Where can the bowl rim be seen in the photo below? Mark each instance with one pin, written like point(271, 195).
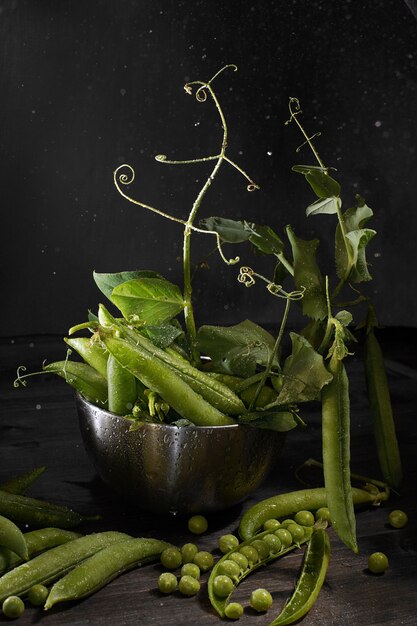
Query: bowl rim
point(170, 427)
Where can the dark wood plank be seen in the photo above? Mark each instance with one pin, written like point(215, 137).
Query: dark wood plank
point(38, 426)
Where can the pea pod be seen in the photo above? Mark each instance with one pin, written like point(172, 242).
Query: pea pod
point(39, 513)
point(313, 574)
point(11, 537)
point(98, 570)
point(220, 603)
point(336, 454)
point(218, 394)
point(157, 376)
point(91, 351)
point(285, 504)
point(19, 484)
point(83, 378)
point(36, 541)
point(383, 419)
point(122, 390)
point(54, 563)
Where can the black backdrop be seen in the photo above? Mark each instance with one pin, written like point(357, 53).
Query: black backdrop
point(89, 85)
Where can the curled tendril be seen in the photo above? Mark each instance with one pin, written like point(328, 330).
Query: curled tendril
point(246, 276)
point(279, 292)
point(161, 158)
point(226, 260)
point(293, 112)
point(201, 93)
point(19, 378)
point(125, 179)
point(252, 187)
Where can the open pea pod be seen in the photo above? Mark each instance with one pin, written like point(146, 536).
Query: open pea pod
point(218, 602)
point(313, 574)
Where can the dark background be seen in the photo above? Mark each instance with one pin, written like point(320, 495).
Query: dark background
point(88, 85)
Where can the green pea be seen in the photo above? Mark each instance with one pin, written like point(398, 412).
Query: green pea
point(188, 552)
point(304, 518)
point(197, 524)
point(13, 607)
point(229, 568)
point(167, 582)
point(323, 514)
point(191, 569)
point(171, 558)
point(397, 518)
point(240, 559)
point(37, 595)
point(287, 522)
point(223, 586)
point(271, 524)
point(234, 610)
point(297, 532)
point(227, 543)
point(204, 560)
point(377, 563)
point(261, 547)
point(188, 586)
point(273, 542)
point(260, 600)
point(250, 553)
point(284, 536)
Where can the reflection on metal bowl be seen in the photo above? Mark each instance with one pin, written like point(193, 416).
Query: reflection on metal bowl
point(166, 469)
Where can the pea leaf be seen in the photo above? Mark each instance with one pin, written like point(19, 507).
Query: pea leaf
point(323, 206)
point(162, 336)
point(230, 231)
point(358, 238)
point(236, 349)
point(149, 301)
point(107, 282)
point(304, 373)
point(323, 185)
point(307, 274)
point(281, 421)
point(264, 238)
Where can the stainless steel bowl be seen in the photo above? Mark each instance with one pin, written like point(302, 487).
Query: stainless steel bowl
point(166, 469)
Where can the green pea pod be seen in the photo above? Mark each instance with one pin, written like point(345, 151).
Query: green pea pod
point(220, 603)
point(286, 504)
point(37, 541)
point(157, 376)
point(39, 513)
point(383, 419)
point(122, 389)
point(313, 574)
point(98, 570)
point(19, 484)
point(91, 351)
point(11, 537)
point(336, 454)
point(83, 378)
point(214, 391)
point(54, 563)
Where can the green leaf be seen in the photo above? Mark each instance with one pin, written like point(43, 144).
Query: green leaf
point(264, 238)
point(304, 373)
point(107, 282)
point(323, 185)
point(236, 349)
point(326, 206)
point(230, 231)
point(358, 238)
point(344, 317)
point(162, 336)
point(280, 421)
point(150, 301)
point(307, 274)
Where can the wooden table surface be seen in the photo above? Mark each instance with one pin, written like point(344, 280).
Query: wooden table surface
point(39, 426)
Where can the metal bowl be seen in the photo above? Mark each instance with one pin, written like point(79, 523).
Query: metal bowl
point(166, 469)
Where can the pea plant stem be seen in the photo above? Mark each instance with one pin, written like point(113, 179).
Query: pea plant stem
point(188, 306)
point(272, 355)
